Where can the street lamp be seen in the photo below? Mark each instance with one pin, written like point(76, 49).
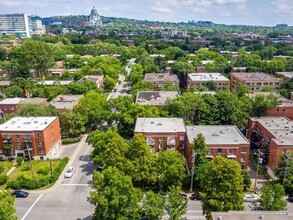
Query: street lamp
point(192, 171)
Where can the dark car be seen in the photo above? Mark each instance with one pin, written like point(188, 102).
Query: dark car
point(290, 198)
point(20, 193)
point(195, 196)
point(100, 167)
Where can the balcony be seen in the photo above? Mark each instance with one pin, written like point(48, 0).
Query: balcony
point(7, 140)
point(27, 139)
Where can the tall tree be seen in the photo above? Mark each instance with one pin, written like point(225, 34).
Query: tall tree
point(153, 205)
point(115, 197)
point(271, 198)
point(222, 187)
point(262, 103)
point(7, 209)
point(176, 205)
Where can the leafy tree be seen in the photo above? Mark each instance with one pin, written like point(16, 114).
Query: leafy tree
point(176, 205)
point(7, 209)
point(262, 103)
point(143, 163)
point(181, 69)
point(153, 205)
point(246, 180)
point(200, 161)
point(33, 110)
point(286, 163)
point(241, 89)
point(171, 168)
point(72, 123)
point(222, 187)
point(271, 198)
point(115, 197)
point(13, 91)
point(173, 53)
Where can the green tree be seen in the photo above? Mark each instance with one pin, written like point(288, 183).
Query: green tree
point(271, 198)
point(7, 209)
point(115, 197)
point(286, 163)
point(241, 89)
point(246, 180)
point(33, 110)
point(171, 169)
point(176, 205)
point(261, 103)
point(72, 123)
point(222, 187)
point(153, 205)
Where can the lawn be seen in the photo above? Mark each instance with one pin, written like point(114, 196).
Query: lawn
point(7, 165)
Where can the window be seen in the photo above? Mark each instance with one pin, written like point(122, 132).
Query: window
point(39, 136)
point(41, 151)
point(160, 138)
point(17, 136)
point(11, 108)
point(219, 150)
point(248, 84)
point(259, 83)
point(160, 146)
point(18, 145)
point(150, 141)
point(265, 83)
point(243, 150)
point(230, 151)
point(242, 159)
point(210, 151)
point(277, 83)
point(271, 83)
point(7, 136)
point(27, 136)
point(182, 138)
point(40, 144)
point(171, 140)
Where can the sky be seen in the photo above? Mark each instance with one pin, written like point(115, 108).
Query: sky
point(247, 12)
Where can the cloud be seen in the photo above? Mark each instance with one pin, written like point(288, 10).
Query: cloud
point(225, 13)
point(283, 6)
point(223, 2)
point(165, 6)
point(15, 3)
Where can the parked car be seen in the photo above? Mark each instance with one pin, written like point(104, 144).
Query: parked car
point(69, 172)
point(249, 198)
point(20, 193)
point(100, 167)
point(290, 198)
point(195, 196)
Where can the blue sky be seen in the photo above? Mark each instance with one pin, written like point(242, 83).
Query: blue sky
point(252, 12)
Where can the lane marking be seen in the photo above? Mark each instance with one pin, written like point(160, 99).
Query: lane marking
point(28, 211)
point(75, 184)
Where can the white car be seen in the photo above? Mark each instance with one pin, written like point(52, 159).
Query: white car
point(249, 198)
point(69, 172)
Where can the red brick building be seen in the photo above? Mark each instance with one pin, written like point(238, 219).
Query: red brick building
point(160, 80)
point(39, 137)
point(221, 140)
point(272, 135)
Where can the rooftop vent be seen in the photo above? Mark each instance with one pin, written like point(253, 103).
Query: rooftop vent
point(261, 217)
point(159, 124)
point(152, 122)
point(215, 134)
point(219, 218)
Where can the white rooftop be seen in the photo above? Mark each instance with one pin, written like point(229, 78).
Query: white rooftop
point(11, 101)
point(280, 127)
point(207, 77)
point(27, 124)
point(55, 83)
point(157, 125)
point(217, 134)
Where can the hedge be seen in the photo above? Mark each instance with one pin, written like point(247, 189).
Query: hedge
point(70, 140)
point(3, 179)
point(1, 168)
point(26, 182)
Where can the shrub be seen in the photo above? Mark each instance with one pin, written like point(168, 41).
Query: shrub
point(3, 179)
point(43, 170)
point(19, 161)
point(70, 140)
point(1, 168)
point(25, 166)
point(58, 170)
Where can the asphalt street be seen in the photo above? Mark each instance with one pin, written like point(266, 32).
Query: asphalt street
point(67, 199)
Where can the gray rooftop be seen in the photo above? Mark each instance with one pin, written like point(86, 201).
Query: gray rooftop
point(257, 76)
point(217, 134)
point(207, 77)
point(35, 100)
point(255, 215)
point(286, 74)
point(65, 101)
point(280, 127)
point(11, 101)
point(27, 124)
point(166, 77)
point(155, 97)
point(55, 83)
point(159, 125)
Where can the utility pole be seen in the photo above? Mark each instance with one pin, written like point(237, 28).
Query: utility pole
point(257, 167)
point(192, 171)
point(286, 167)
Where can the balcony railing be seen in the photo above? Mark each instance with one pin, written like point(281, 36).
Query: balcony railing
point(7, 141)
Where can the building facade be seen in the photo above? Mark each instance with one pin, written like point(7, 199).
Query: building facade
point(254, 81)
point(16, 24)
point(221, 140)
point(195, 80)
point(36, 137)
point(161, 80)
point(272, 136)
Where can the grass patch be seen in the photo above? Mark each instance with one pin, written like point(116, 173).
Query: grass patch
point(7, 166)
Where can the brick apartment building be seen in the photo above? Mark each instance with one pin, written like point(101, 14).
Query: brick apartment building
point(254, 81)
point(160, 80)
point(195, 80)
point(221, 140)
point(10, 105)
point(38, 137)
point(273, 136)
point(172, 134)
point(155, 98)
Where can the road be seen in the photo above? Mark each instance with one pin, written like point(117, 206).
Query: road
point(67, 199)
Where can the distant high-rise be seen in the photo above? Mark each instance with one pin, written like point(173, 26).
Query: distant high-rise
point(37, 25)
point(16, 24)
point(94, 18)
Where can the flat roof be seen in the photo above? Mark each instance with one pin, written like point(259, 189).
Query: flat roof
point(27, 124)
point(54, 83)
point(280, 127)
point(217, 134)
point(65, 101)
point(11, 101)
point(155, 97)
point(159, 125)
point(167, 77)
point(286, 74)
point(33, 100)
point(257, 76)
point(256, 215)
point(207, 77)
point(205, 92)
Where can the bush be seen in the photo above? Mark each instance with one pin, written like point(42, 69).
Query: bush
point(70, 140)
point(25, 166)
point(1, 168)
point(43, 170)
point(3, 179)
point(58, 170)
point(19, 161)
